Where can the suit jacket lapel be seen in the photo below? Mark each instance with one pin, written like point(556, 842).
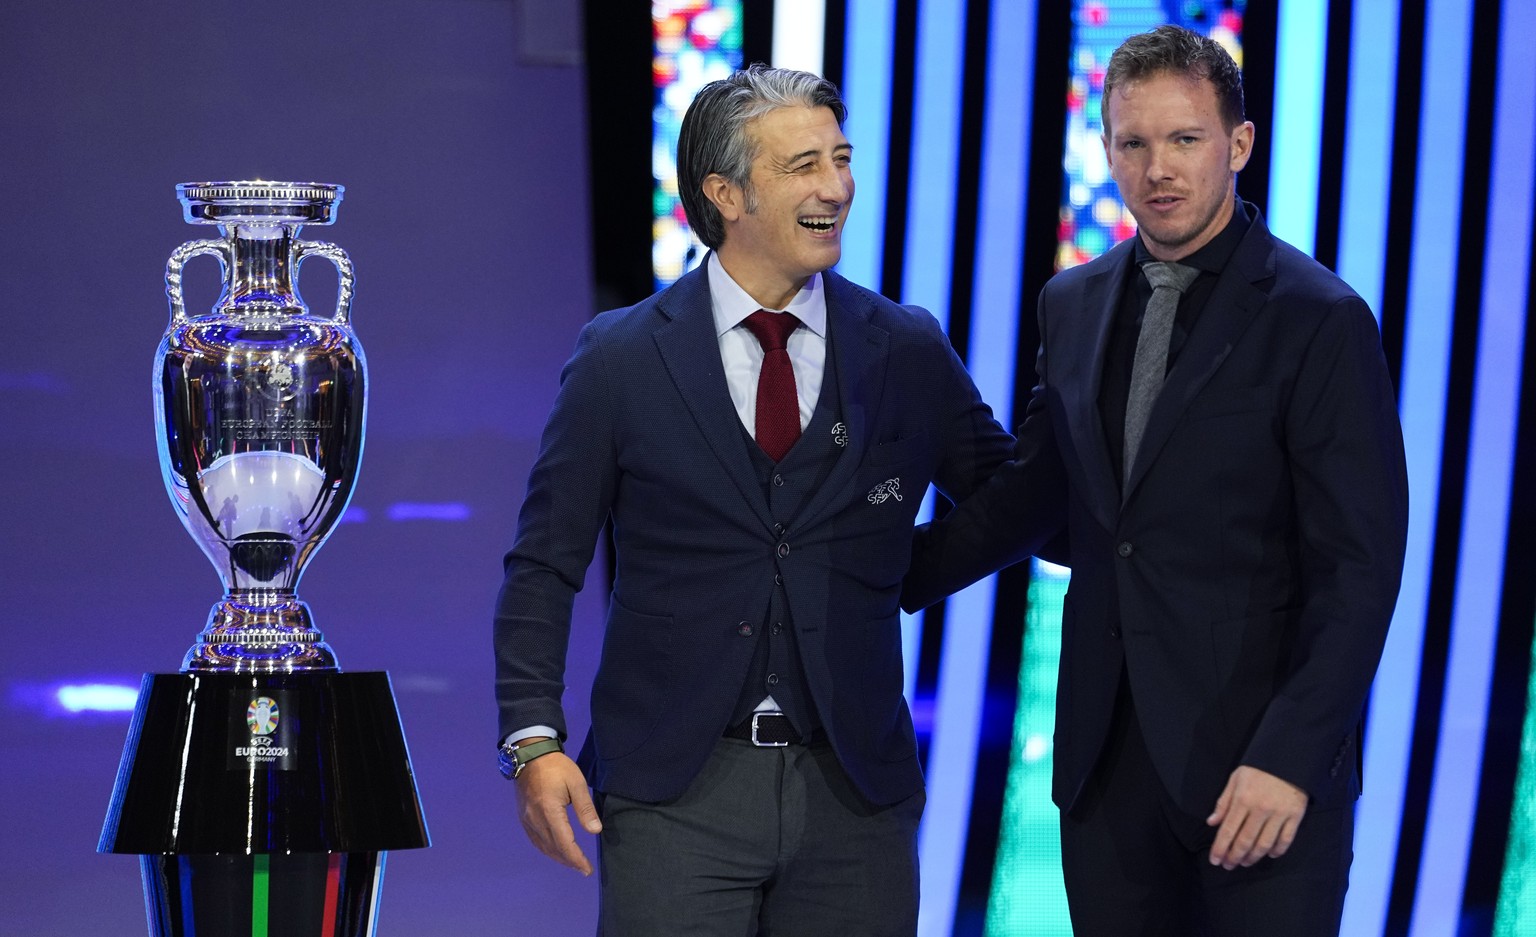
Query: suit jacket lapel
point(691, 351)
point(863, 350)
point(1080, 392)
point(1233, 303)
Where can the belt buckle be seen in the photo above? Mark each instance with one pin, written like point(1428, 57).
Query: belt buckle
point(754, 732)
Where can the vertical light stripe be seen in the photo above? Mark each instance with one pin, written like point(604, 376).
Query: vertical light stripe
point(995, 302)
point(333, 872)
point(1495, 403)
point(184, 879)
point(962, 683)
point(1368, 149)
point(371, 925)
point(1427, 332)
point(1296, 143)
point(799, 34)
point(1028, 895)
point(926, 280)
point(1515, 913)
point(260, 884)
point(935, 156)
point(1362, 264)
point(867, 53)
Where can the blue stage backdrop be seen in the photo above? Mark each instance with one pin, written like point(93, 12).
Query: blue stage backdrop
point(459, 130)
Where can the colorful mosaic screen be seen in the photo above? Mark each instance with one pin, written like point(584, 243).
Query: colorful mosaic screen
point(695, 42)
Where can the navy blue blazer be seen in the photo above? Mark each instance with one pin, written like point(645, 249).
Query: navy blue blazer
point(1245, 577)
point(643, 432)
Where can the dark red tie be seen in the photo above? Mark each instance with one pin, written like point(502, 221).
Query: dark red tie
point(778, 407)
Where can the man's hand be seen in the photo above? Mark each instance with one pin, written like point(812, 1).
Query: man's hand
point(545, 787)
point(1258, 814)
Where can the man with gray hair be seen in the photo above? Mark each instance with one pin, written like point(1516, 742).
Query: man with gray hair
point(760, 435)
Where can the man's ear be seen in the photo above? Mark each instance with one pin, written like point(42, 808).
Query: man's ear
point(726, 197)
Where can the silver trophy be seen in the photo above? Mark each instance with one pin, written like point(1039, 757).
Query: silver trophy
point(259, 409)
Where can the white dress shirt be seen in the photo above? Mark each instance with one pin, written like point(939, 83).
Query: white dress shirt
point(742, 356)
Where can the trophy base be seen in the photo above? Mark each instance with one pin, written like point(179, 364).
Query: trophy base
point(326, 894)
point(246, 636)
point(264, 763)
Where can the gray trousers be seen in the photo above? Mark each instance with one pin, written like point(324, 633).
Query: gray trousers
point(766, 841)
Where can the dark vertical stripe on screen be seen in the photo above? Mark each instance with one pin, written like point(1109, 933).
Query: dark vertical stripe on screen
point(899, 165)
point(1053, 51)
point(1330, 164)
point(1516, 644)
point(834, 35)
point(757, 32)
point(1400, 233)
point(1405, 135)
point(973, 103)
point(1260, 47)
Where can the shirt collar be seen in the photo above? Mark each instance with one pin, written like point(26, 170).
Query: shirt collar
point(1213, 257)
point(731, 304)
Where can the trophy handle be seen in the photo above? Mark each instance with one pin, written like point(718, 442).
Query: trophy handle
point(337, 256)
point(178, 259)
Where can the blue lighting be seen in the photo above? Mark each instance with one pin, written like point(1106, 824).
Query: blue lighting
point(866, 87)
point(97, 697)
point(1475, 616)
point(1295, 144)
point(1362, 264)
point(426, 511)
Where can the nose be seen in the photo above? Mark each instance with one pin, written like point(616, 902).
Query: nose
point(836, 185)
point(1158, 166)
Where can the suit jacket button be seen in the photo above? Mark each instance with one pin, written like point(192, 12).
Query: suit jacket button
point(778, 480)
point(1125, 548)
point(778, 579)
point(778, 529)
point(1114, 632)
point(744, 629)
point(783, 550)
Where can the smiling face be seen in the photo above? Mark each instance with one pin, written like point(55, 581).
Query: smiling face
point(788, 224)
point(1174, 160)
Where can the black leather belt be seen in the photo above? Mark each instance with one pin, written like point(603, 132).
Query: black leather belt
point(765, 730)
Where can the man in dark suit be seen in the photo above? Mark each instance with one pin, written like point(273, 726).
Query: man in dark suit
point(1226, 462)
point(753, 759)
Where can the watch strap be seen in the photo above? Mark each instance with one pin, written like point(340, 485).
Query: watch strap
point(515, 757)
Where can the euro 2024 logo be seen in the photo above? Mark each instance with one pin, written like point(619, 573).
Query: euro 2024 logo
point(262, 715)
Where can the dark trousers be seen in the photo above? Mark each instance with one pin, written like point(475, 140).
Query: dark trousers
point(1137, 866)
point(765, 841)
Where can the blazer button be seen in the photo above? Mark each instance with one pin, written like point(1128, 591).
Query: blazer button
point(778, 627)
point(778, 480)
point(744, 629)
point(778, 579)
point(783, 550)
point(778, 529)
point(773, 679)
point(1125, 548)
point(1114, 632)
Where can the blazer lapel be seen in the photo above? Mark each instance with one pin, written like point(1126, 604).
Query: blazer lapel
point(1233, 303)
point(1080, 392)
point(863, 350)
point(690, 350)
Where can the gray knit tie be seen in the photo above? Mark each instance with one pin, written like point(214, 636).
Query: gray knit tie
point(1169, 281)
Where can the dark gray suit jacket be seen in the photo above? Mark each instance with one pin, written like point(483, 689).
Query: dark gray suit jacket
point(644, 432)
point(1246, 576)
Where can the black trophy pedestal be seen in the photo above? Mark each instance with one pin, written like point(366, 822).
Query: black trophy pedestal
point(264, 803)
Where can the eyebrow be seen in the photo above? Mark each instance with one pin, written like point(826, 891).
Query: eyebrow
point(808, 153)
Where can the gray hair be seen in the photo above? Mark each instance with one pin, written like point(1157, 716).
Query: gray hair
point(1178, 51)
point(714, 137)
